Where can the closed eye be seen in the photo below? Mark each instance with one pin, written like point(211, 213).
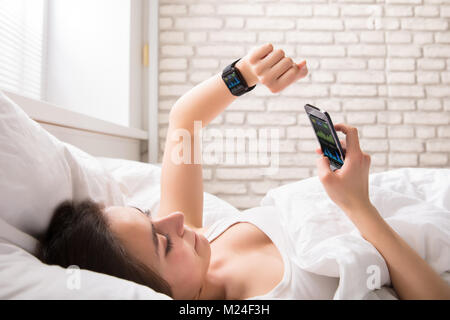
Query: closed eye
point(169, 244)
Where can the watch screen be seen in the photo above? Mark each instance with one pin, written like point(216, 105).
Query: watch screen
point(326, 140)
point(232, 80)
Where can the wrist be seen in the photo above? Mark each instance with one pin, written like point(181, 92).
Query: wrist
point(359, 212)
point(369, 222)
point(244, 67)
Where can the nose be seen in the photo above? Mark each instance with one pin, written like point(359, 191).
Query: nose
point(172, 223)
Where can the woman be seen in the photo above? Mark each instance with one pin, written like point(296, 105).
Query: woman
point(238, 257)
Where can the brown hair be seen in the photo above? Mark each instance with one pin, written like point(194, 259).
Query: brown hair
point(79, 235)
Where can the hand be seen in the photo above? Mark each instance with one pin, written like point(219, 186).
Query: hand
point(271, 68)
point(348, 186)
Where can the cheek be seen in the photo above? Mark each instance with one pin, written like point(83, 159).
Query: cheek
point(185, 266)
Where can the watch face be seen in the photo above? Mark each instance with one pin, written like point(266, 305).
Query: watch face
point(234, 83)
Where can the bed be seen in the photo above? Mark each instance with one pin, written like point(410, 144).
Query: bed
point(39, 168)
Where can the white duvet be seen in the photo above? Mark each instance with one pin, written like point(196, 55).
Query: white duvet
point(415, 203)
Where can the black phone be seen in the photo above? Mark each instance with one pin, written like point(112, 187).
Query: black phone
point(326, 135)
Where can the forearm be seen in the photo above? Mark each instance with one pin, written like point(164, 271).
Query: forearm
point(206, 101)
point(411, 276)
point(202, 103)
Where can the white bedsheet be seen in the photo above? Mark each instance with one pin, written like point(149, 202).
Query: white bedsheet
point(415, 203)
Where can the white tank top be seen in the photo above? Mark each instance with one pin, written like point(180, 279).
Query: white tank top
point(296, 282)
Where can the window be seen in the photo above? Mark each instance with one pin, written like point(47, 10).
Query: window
point(22, 46)
point(82, 55)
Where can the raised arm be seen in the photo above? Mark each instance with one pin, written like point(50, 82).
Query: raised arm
point(348, 187)
point(181, 177)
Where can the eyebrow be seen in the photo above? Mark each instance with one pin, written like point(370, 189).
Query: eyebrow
point(146, 212)
point(154, 236)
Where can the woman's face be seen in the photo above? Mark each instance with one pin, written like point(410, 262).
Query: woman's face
point(166, 245)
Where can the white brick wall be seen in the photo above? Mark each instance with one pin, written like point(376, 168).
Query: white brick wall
point(382, 66)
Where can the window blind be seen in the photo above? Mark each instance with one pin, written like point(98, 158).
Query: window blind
point(22, 40)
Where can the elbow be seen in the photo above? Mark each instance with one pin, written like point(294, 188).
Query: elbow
point(176, 116)
point(183, 117)
point(174, 113)
point(178, 119)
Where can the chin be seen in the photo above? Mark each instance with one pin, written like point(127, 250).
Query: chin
point(204, 247)
point(203, 253)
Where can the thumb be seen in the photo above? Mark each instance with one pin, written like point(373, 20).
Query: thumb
point(301, 64)
point(323, 167)
point(303, 69)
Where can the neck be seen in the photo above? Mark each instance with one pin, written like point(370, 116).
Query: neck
point(213, 288)
point(219, 281)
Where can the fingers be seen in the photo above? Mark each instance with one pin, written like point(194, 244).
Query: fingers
point(351, 137)
point(269, 61)
point(343, 144)
point(323, 169)
point(289, 77)
point(277, 70)
point(273, 69)
point(260, 52)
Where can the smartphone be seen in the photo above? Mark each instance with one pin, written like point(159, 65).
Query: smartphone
point(326, 135)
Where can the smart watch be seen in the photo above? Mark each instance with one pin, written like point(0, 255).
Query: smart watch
point(235, 81)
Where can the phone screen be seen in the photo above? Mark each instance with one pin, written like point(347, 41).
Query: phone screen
point(326, 139)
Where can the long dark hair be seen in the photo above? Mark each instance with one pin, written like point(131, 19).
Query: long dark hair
point(79, 235)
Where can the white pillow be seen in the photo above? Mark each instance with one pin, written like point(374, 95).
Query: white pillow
point(37, 172)
point(23, 276)
point(34, 175)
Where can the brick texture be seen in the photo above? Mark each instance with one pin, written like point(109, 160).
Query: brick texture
point(382, 66)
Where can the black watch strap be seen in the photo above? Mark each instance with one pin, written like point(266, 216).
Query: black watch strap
point(235, 81)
